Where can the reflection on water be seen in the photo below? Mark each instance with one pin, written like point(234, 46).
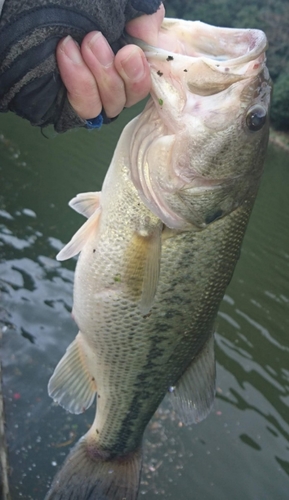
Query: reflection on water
point(241, 450)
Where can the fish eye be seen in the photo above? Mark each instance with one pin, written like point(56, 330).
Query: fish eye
point(256, 118)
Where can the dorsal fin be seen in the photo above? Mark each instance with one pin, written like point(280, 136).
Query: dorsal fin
point(193, 396)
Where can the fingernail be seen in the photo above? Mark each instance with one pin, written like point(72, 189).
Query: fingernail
point(71, 49)
point(102, 50)
point(134, 66)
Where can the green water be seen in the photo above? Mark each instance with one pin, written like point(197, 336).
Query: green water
point(242, 450)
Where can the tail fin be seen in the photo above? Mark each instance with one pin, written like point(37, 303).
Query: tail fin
point(88, 475)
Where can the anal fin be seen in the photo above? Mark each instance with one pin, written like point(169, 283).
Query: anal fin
point(193, 396)
point(72, 385)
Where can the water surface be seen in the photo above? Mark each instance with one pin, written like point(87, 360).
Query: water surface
point(242, 450)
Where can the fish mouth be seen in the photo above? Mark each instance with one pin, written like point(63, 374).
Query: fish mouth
point(213, 58)
point(227, 46)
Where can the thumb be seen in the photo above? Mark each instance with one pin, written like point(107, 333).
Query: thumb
point(147, 27)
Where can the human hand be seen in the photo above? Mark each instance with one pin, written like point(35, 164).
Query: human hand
point(95, 78)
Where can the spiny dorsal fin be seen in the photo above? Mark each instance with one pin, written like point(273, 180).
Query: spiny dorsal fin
point(193, 396)
point(86, 203)
point(72, 385)
point(77, 242)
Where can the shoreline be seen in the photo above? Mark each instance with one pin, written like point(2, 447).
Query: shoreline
point(280, 139)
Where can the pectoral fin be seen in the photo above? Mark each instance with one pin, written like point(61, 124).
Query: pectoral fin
point(78, 241)
point(151, 272)
point(86, 203)
point(194, 393)
point(72, 384)
point(143, 257)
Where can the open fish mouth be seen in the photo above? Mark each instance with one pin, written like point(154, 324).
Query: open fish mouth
point(197, 39)
point(213, 58)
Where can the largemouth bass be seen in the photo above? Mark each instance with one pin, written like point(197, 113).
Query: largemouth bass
point(158, 250)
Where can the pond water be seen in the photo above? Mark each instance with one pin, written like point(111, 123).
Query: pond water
point(241, 450)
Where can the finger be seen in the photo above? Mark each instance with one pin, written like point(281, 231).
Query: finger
point(147, 27)
point(133, 68)
point(99, 58)
point(82, 91)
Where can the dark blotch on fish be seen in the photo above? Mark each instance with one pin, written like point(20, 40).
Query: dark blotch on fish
point(170, 58)
point(212, 217)
point(159, 73)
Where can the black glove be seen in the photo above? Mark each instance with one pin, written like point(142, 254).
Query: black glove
point(30, 83)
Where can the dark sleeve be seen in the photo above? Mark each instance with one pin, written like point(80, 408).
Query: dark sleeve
point(30, 83)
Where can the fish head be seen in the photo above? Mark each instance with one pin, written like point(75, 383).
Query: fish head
point(201, 140)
